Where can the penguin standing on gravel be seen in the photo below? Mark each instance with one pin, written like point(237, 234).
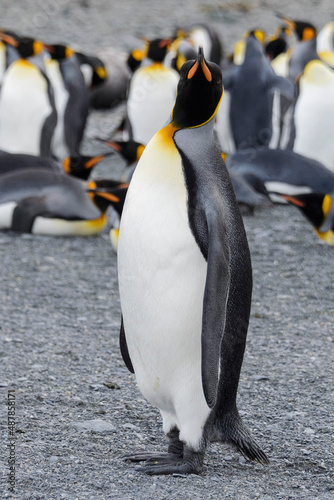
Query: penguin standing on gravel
point(27, 108)
point(185, 281)
point(151, 94)
point(72, 100)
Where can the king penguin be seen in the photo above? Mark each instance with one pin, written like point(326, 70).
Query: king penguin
point(185, 281)
point(314, 114)
point(151, 94)
point(318, 208)
point(72, 100)
point(27, 108)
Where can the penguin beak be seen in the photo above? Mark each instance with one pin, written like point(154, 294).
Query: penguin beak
point(93, 161)
point(106, 196)
point(200, 61)
point(113, 145)
point(293, 200)
point(8, 39)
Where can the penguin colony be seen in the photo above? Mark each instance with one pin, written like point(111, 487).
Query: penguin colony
point(204, 134)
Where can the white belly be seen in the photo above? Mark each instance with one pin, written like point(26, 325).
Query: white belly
point(24, 106)
point(151, 99)
point(314, 114)
point(6, 214)
point(162, 277)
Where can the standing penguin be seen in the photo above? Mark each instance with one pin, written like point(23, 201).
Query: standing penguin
point(27, 108)
point(258, 100)
point(151, 94)
point(314, 114)
point(72, 100)
point(185, 281)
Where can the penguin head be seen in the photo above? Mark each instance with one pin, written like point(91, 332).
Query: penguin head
point(130, 150)
point(25, 46)
point(317, 207)
point(199, 92)
point(106, 192)
point(81, 166)
point(59, 51)
point(157, 49)
point(134, 59)
point(302, 29)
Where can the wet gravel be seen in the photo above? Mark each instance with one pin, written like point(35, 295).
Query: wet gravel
point(77, 407)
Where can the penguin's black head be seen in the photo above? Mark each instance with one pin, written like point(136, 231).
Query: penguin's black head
point(130, 150)
point(303, 30)
point(199, 92)
point(58, 51)
point(275, 47)
point(81, 166)
point(106, 192)
point(157, 49)
point(315, 206)
point(25, 46)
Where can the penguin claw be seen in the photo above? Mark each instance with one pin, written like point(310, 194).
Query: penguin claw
point(148, 456)
point(169, 467)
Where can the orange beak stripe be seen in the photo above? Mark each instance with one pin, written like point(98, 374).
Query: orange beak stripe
point(293, 200)
point(113, 145)
point(206, 71)
point(93, 161)
point(193, 70)
point(107, 196)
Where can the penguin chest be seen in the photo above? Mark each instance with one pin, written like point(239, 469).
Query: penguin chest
point(24, 107)
point(151, 98)
point(162, 277)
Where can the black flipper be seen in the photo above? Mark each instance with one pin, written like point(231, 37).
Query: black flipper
point(214, 308)
point(25, 213)
point(124, 348)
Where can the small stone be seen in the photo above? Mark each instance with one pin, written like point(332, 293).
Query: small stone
point(130, 426)
point(97, 425)
point(309, 431)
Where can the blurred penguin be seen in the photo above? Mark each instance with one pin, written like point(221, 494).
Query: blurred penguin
point(27, 106)
point(72, 100)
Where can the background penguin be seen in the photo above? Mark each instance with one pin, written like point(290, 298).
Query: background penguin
point(182, 241)
point(92, 68)
point(239, 48)
point(325, 38)
point(151, 94)
point(27, 107)
point(314, 114)
point(72, 100)
point(318, 208)
point(16, 161)
point(203, 35)
point(81, 166)
point(253, 111)
point(45, 202)
point(131, 152)
point(280, 171)
point(113, 89)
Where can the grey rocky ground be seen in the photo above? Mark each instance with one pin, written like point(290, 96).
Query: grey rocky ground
point(77, 407)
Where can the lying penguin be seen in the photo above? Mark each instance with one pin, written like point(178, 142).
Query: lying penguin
point(42, 201)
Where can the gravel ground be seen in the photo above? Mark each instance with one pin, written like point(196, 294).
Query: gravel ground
point(77, 407)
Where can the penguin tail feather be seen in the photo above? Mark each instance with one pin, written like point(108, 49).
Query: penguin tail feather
point(231, 429)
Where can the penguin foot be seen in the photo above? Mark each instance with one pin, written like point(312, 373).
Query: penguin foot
point(149, 455)
point(190, 463)
point(232, 429)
